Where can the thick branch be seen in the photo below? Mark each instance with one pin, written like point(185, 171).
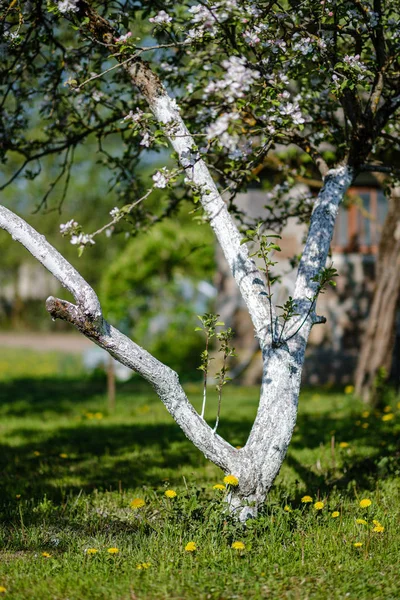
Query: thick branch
point(87, 317)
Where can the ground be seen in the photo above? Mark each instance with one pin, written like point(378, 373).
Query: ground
point(70, 472)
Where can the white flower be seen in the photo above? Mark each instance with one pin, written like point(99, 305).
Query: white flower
point(123, 38)
point(189, 158)
point(97, 95)
point(83, 239)
point(237, 79)
point(68, 6)
point(160, 179)
point(251, 38)
point(133, 116)
point(146, 140)
point(115, 212)
point(67, 228)
point(162, 17)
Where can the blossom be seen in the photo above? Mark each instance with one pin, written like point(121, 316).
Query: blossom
point(357, 544)
point(146, 140)
point(219, 486)
point(349, 389)
point(387, 409)
point(123, 38)
point(361, 521)
point(160, 180)
point(68, 6)
point(388, 417)
point(237, 80)
point(91, 551)
point(365, 502)
point(365, 414)
point(137, 503)
point(46, 555)
point(287, 508)
point(170, 493)
point(238, 546)
point(69, 227)
point(344, 445)
point(63, 455)
point(378, 528)
point(231, 480)
point(190, 547)
point(162, 17)
point(2, 589)
point(335, 514)
point(319, 505)
point(82, 239)
point(306, 499)
point(134, 116)
point(112, 550)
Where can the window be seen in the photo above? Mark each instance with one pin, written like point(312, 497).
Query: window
point(359, 224)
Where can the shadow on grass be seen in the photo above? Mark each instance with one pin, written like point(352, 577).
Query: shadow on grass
point(103, 455)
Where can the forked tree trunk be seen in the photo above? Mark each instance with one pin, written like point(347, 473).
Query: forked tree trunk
point(376, 355)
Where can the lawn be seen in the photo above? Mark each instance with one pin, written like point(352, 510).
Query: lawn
point(70, 472)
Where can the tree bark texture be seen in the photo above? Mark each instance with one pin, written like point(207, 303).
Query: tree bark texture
point(376, 355)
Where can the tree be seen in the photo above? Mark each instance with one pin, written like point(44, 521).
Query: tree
point(323, 76)
point(376, 355)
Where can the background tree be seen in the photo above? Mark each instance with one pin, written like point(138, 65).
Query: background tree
point(249, 75)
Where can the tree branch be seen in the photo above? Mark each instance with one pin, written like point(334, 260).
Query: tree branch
point(87, 317)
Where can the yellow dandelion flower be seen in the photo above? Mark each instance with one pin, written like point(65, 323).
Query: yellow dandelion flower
point(379, 528)
point(358, 423)
point(365, 414)
point(365, 502)
point(46, 555)
point(170, 494)
point(219, 486)
point(238, 546)
point(36, 453)
point(349, 389)
point(144, 566)
point(112, 550)
point(398, 405)
point(18, 496)
point(2, 589)
point(287, 508)
point(365, 425)
point(319, 505)
point(63, 455)
point(306, 499)
point(89, 415)
point(387, 409)
point(335, 514)
point(190, 547)
point(361, 522)
point(388, 417)
point(357, 544)
point(344, 445)
point(91, 551)
point(98, 415)
point(375, 522)
point(137, 503)
point(231, 480)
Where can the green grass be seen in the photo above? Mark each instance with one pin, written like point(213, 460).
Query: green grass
point(63, 505)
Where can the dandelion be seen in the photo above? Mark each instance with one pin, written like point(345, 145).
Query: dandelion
point(238, 546)
point(365, 414)
point(365, 502)
point(137, 503)
point(2, 589)
point(287, 508)
point(143, 566)
point(378, 528)
point(357, 544)
point(344, 445)
point(91, 551)
point(335, 514)
point(365, 425)
point(387, 409)
point(190, 547)
point(18, 496)
point(375, 522)
point(36, 453)
point(170, 494)
point(112, 550)
point(219, 486)
point(349, 389)
point(388, 417)
point(98, 415)
point(63, 455)
point(231, 480)
point(46, 555)
point(361, 522)
point(306, 499)
point(319, 505)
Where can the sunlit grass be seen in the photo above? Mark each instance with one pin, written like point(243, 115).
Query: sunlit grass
point(85, 513)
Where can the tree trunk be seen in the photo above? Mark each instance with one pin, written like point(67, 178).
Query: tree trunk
point(376, 355)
